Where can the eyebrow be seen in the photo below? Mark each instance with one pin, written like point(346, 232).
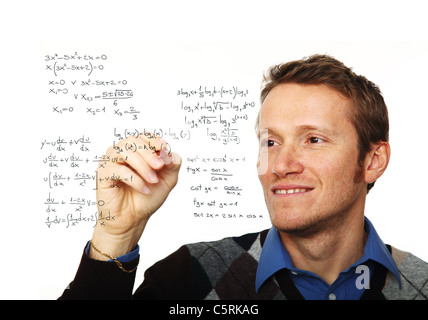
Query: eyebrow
point(304, 128)
point(328, 131)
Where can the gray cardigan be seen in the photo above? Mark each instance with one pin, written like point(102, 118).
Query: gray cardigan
point(226, 269)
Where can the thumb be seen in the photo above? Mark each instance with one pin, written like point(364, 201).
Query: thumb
point(172, 163)
point(171, 160)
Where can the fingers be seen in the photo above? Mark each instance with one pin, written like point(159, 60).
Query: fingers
point(113, 176)
point(146, 158)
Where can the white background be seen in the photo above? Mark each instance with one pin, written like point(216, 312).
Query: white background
point(211, 42)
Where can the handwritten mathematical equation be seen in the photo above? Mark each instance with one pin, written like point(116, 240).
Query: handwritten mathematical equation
point(77, 161)
point(222, 158)
point(80, 201)
point(70, 219)
point(74, 56)
point(75, 212)
point(55, 179)
point(82, 84)
point(229, 215)
point(212, 92)
point(73, 91)
point(229, 189)
point(73, 166)
point(203, 112)
point(87, 82)
point(166, 133)
point(87, 68)
point(100, 110)
point(116, 94)
point(76, 219)
point(216, 174)
point(61, 144)
point(216, 106)
point(58, 63)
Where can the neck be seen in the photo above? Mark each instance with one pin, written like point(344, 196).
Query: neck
point(328, 252)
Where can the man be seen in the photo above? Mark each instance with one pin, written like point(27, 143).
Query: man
point(323, 133)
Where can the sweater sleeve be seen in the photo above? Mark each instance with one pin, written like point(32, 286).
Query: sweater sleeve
point(170, 278)
point(101, 280)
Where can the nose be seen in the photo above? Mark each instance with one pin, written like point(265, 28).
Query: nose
point(287, 162)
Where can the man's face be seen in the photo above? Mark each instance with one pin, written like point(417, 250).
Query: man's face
point(313, 179)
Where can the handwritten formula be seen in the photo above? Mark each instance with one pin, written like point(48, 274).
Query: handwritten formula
point(80, 84)
point(77, 83)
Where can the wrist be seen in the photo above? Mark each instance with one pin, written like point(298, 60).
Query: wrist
point(113, 245)
point(119, 260)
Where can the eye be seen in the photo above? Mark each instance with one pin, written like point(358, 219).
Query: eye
point(270, 143)
point(314, 140)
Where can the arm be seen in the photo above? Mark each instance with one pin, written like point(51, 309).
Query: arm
point(142, 181)
point(101, 280)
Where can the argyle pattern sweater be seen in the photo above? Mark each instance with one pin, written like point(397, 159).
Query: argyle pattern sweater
point(226, 269)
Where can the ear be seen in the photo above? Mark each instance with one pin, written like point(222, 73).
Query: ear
point(377, 161)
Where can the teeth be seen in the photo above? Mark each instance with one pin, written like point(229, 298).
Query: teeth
point(289, 191)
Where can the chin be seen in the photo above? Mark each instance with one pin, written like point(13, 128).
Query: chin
point(288, 224)
point(297, 224)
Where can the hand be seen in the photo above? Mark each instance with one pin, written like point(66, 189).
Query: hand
point(131, 187)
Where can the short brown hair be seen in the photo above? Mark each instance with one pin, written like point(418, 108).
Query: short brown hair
point(369, 115)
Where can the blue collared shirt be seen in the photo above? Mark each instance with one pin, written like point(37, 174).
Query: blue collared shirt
point(275, 257)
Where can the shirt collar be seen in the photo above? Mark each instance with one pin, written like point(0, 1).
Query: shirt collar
point(275, 257)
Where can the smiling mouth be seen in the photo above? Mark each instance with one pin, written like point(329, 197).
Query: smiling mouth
point(291, 191)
